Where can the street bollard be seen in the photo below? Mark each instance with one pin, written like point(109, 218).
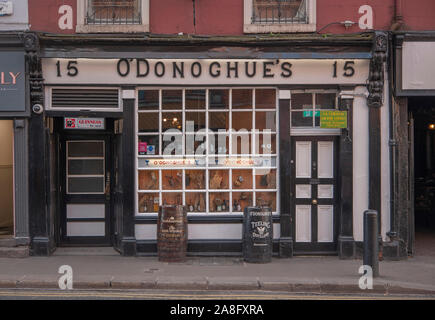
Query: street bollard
point(371, 245)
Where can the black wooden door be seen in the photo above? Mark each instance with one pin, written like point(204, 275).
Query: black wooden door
point(314, 194)
point(86, 175)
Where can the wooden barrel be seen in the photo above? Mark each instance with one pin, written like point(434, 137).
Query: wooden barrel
point(257, 234)
point(172, 233)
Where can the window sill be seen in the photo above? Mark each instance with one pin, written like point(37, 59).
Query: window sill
point(278, 28)
point(116, 28)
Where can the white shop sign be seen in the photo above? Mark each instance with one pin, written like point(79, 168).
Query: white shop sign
point(205, 71)
point(418, 66)
point(84, 123)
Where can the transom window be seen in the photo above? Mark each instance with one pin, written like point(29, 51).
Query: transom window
point(279, 11)
point(113, 12)
point(306, 107)
point(213, 150)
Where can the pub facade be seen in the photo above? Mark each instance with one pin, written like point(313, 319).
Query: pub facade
point(298, 124)
point(214, 106)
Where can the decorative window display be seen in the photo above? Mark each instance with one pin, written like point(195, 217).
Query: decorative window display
point(212, 150)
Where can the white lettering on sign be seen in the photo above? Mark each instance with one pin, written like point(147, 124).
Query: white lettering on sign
point(205, 71)
point(66, 19)
point(366, 20)
point(84, 123)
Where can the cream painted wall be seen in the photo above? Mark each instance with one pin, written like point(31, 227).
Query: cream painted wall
point(361, 163)
point(6, 173)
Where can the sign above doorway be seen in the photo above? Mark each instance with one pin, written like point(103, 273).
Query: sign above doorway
point(84, 123)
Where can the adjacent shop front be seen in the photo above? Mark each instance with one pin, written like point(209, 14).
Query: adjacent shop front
point(414, 109)
point(216, 129)
point(14, 112)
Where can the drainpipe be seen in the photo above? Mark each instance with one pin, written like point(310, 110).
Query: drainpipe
point(398, 16)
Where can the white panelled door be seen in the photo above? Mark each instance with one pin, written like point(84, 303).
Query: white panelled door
point(313, 194)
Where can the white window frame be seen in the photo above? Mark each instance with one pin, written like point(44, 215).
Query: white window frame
point(207, 168)
point(82, 27)
point(249, 27)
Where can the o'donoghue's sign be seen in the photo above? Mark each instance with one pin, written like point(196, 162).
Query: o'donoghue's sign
point(12, 81)
point(205, 71)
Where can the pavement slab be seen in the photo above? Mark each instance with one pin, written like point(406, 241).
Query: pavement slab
point(315, 275)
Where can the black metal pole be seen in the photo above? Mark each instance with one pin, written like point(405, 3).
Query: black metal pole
point(371, 245)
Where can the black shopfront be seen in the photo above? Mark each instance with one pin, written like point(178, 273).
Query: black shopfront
point(130, 126)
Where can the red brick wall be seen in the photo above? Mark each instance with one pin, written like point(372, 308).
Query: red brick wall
point(225, 17)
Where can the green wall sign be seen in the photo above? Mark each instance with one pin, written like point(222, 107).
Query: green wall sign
point(333, 119)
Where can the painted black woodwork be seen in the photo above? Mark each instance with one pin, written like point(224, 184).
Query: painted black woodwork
point(286, 235)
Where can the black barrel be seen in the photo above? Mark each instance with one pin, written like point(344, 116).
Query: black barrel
point(172, 233)
point(257, 234)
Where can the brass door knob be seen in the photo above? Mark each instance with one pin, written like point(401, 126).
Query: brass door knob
point(314, 201)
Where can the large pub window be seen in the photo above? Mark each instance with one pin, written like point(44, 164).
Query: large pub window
point(213, 150)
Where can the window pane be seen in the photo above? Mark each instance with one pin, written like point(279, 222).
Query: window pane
point(198, 119)
point(172, 198)
point(280, 11)
point(241, 143)
point(148, 100)
point(219, 144)
point(113, 12)
point(242, 179)
point(218, 179)
point(301, 101)
point(172, 120)
point(148, 202)
point(195, 179)
point(195, 147)
point(265, 120)
point(218, 99)
point(265, 144)
point(219, 202)
point(242, 120)
point(325, 100)
point(174, 146)
point(242, 99)
point(195, 99)
point(148, 122)
point(172, 99)
point(86, 185)
point(89, 167)
point(241, 200)
point(218, 120)
point(195, 201)
point(148, 145)
point(172, 179)
point(265, 179)
point(148, 180)
point(85, 149)
point(266, 199)
point(265, 98)
point(302, 118)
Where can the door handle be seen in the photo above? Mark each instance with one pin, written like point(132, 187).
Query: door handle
point(314, 201)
